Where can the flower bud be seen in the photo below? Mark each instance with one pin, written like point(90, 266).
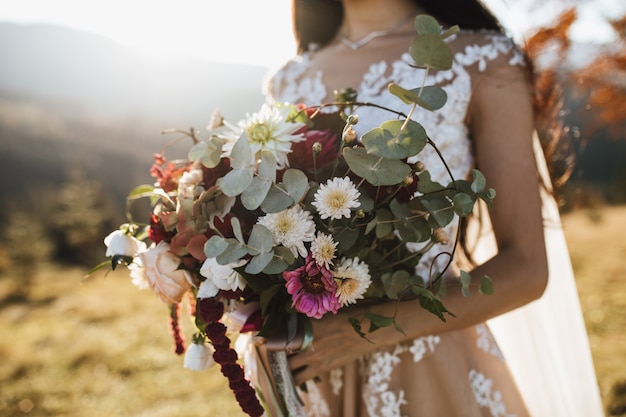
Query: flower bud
point(199, 356)
point(317, 148)
point(352, 119)
point(360, 214)
point(419, 166)
point(440, 236)
point(349, 135)
point(407, 181)
point(120, 243)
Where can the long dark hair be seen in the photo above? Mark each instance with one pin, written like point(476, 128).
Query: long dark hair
point(317, 21)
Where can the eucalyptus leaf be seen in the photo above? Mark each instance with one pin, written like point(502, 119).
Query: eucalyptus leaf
point(267, 167)
point(466, 280)
point(215, 246)
point(486, 286)
point(463, 204)
point(346, 238)
point(384, 223)
point(395, 283)
point(234, 252)
point(425, 185)
point(276, 200)
point(431, 97)
point(253, 196)
point(427, 24)
point(441, 209)
point(241, 154)
point(209, 153)
point(258, 263)
point(479, 182)
point(236, 226)
point(261, 238)
point(429, 50)
point(375, 169)
point(236, 181)
point(296, 183)
point(391, 140)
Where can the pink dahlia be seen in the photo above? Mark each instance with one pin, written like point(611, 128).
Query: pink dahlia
point(313, 288)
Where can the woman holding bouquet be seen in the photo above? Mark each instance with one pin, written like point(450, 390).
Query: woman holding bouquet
point(542, 366)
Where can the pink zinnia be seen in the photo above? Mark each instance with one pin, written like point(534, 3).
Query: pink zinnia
point(313, 288)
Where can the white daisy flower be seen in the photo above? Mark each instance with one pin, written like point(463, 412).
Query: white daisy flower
point(323, 249)
point(291, 228)
point(267, 130)
point(335, 198)
point(353, 279)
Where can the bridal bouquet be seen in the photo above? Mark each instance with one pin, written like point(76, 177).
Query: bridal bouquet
point(288, 216)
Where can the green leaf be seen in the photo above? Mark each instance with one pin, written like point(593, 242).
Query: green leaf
point(236, 226)
point(429, 50)
point(283, 257)
point(425, 185)
point(215, 246)
point(431, 302)
point(463, 204)
point(375, 169)
point(427, 24)
point(466, 281)
point(209, 153)
point(140, 191)
point(296, 183)
point(261, 239)
point(441, 210)
point(395, 283)
point(258, 263)
point(486, 286)
point(234, 252)
point(391, 141)
point(236, 181)
point(241, 154)
point(431, 97)
point(479, 182)
point(356, 325)
point(377, 321)
point(276, 200)
point(384, 225)
point(346, 238)
point(253, 196)
point(267, 167)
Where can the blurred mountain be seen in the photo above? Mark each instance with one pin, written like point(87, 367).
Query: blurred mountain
point(91, 71)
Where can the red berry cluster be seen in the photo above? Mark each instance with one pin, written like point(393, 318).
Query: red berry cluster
point(179, 341)
point(210, 311)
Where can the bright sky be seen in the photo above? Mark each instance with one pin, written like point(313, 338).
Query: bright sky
point(245, 31)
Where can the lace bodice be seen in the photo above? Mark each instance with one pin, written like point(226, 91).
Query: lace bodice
point(304, 80)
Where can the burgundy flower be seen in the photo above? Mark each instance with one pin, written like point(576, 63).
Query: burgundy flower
point(209, 309)
point(313, 289)
point(157, 232)
point(216, 331)
point(232, 371)
point(225, 356)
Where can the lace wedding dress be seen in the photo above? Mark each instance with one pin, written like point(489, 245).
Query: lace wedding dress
point(464, 372)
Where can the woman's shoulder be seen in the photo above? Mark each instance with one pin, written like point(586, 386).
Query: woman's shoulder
point(486, 48)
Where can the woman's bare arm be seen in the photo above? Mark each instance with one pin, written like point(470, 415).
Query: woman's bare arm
point(502, 123)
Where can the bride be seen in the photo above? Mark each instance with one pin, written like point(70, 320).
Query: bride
point(522, 351)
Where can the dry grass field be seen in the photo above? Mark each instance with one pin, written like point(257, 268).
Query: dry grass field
point(101, 348)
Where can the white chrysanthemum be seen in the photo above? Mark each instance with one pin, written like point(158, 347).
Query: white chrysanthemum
point(323, 249)
point(267, 130)
point(220, 277)
point(335, 198)
point(353, 279)
point(291, 228)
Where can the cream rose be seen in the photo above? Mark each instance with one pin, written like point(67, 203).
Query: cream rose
point(160, 270)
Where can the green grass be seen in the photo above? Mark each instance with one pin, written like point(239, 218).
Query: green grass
point(103, 348)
